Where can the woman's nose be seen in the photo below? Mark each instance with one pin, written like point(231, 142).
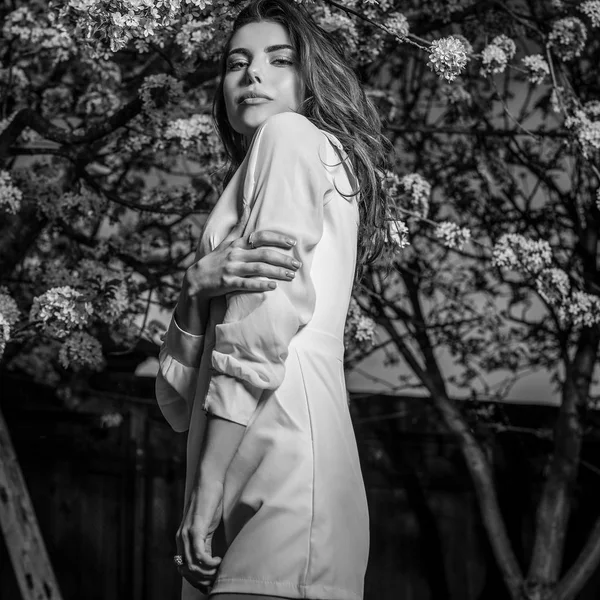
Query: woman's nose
point(253, 74)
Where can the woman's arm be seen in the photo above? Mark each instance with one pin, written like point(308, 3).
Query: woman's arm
point(229, 267)
point(220, 443)
point(285, 187)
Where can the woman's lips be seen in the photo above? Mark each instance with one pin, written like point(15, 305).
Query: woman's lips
point(254, 101)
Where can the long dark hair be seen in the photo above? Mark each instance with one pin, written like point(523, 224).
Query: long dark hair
point(335, 102)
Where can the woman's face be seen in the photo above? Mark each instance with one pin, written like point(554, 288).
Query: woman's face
point(262, 62)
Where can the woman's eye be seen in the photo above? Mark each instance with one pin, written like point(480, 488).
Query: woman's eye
point(284, 61)
point(233, 66)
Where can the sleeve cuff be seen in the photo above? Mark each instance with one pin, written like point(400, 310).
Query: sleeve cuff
point(174, 408)
point(231, 399)
point(184, 347)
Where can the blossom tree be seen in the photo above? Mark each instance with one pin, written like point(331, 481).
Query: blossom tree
point(109, 161)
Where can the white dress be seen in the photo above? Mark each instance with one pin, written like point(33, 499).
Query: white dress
point(296, 520)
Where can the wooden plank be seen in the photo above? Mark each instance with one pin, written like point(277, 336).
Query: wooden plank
point(20, 528)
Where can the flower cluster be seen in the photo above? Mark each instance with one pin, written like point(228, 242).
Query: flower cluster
point(591, 9)
point(418, 190)
point(8, 307)
point(196, 38)
point(586, 131)
point(451, 235)
point(495, 56)
point(24, 27)
point(493, 60)
point(537, 68)
point(514, 251)
point(81, 351)
point(109, 420)
point(97, 101)
point(592, 109)
point(10, 194)
point(447, 57)
point(553, 286)
point(390, 182)
point(359, 330)
point(568, 37)
point(398, 234)
point(4, 333)
point(59, 311)
point(189, 131)
point(582, 309)
point(109, 292)
point(397, 24)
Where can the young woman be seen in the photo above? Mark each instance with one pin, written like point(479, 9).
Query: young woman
point(256, 373)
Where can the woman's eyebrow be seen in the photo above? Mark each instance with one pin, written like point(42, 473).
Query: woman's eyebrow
point(247, 52)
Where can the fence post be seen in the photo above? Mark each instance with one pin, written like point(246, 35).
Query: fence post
point(20, 528)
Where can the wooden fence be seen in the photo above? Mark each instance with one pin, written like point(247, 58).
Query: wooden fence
point(109, 500)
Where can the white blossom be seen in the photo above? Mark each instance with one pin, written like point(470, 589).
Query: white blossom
point(109, 420)
point(418, 190)
point(587, 132)
point(189, 131)
point(451, 235)
point(514, 251)
point(447, 57)
point(592, 109)
point(568, 37)
point(398, 233)
point(397, 24)
point(582, 309)
point(4, 333)
point(359, 329)
point(537, 68)
point(8, 306)
point(591, 9)
point(495, 56)
point(59, 311)
point(81, 351)
point(493, 60)
point(10, 194)
point(553, 286)
point(507, 45)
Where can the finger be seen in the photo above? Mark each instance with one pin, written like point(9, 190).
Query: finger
point(265, 237)
point(201, 558)
point(259, 269)
point(204, 585)
point(251, 284)
point(272, 257)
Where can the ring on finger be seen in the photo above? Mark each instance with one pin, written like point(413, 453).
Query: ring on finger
point(251, 240)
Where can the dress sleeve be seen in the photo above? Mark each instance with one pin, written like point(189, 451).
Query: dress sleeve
point(177, 378)
point(285, 186)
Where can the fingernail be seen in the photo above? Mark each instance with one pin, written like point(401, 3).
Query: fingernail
point(291, 242)
point(272, 285)
point(290, 274)
point(296, 263)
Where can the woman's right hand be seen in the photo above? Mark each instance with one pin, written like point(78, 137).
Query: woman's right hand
point(235, 266)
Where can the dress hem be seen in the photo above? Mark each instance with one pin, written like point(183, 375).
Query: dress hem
point(285, 589)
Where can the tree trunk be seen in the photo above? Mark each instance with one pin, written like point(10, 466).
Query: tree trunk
point(26, 548)
point(555, 505)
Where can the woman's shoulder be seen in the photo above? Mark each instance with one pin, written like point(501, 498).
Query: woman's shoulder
point(290, 129)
